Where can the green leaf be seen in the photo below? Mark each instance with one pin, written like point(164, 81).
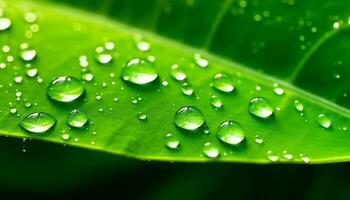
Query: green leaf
point(297, 46)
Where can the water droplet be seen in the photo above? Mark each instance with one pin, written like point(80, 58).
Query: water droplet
point(65, 136)
point(298, 106)
point(165, 83)
point(187, 89)
point(32, 72)
point(5, 23)
point(143, 46)
point(65, 89)
point(258, 139)
point(260, 107)
point(171, 141)
point(110, 45)
point(83, 61)
point(30, 17)
point(210, 150)
point(38, 122)
point(141, 116)
point(104, 58)
point(177, 73)
point(77, 118)
point(189, 118)
point(18, 79)
point(28, 54)
point(272, 157)
point(287, 155)
point(324, 121)
point(13, 110)
point(223, 83)
point(278, 90)
point(139, 71)
point(304, 158)
point(87, 76)
point(230, 132)
point(200, 61)
point(216, 102)
point(27, 104)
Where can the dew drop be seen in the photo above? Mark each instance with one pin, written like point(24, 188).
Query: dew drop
point(87, 76)
point(28, 54)
point(230, 132)
point(139, 71)
point(210, 151)
point(324, 121)
point(272, 157)
point(65, 136)
point(141, 116)
point(216, 102)
point(38, 122)
point(298, 106)
point(258, 139)
point(177, 73)
point(200, 61)
point(32, 72)
point(287, 155)
point(77, 118)
point(223, 83)
point(18, 79)
point(278, 90)
point(260, 107)
point(189, 118)
point(104, 58)
point(5, 23)
point(27, 104)
point(187, 89)
point(143, 46)
point(171, 141)
point(30, 17)
point(65, 89)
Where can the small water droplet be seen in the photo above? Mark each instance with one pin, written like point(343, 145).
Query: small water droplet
point(65, 89)
point(32, 72)
point(210, 150)
point(13, 110)
point(223, 83)
point(324, 121)
point(177, 73)
point(65, 136)
point(110, 45)
point(278, 90)
point(216, 102)
point(30, 17)
point(200, 61)
point(18, 79)
point(28, 54)
point(38, 122)
point(171, 141)
point(298, 106)
point(141, 116)
point(304, 158)
point(104, 58)
point(272, 157)
point(189, 118)
point(27, 104)
point(260, 107)
point(287, 155)
point(87, 76)
point(143, 46)
point(139, 71)
point(258, 139)
point(187, 89)
point(77, 118)
point(230, 132)
point(5, 23)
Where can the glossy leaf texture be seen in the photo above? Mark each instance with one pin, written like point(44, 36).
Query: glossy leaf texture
point(296, 63)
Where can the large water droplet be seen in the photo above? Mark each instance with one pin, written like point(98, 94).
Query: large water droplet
point(324, 121)
point(38, 122)
point(77, 118)
point(223, 83)
point(260, 107)
point(230, 132)
point(171, 141)
point(5, 23)
point(139, 71)
point(210, 150)
point(65, 89)
point(189, 118)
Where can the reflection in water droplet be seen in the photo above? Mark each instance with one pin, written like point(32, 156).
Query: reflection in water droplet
point(65, 89)
point(324, 121)
point(77, 118)
point(139, 71)
point(38, 122)
point(189, 118)
point(260, 107)
point(210, 150)
point(230, 132)
point(223, 83)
